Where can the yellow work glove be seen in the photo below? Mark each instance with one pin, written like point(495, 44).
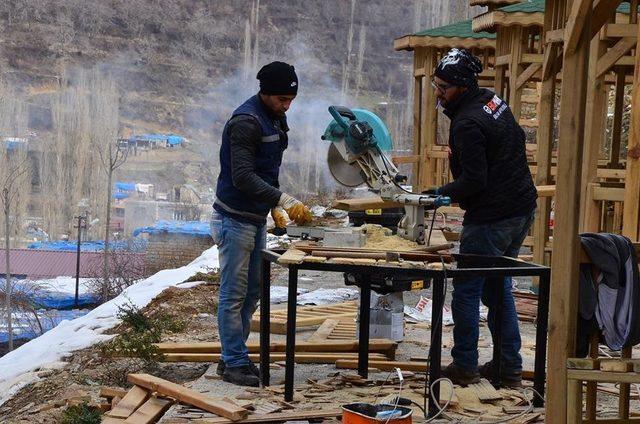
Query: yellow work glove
point(279, 219)
point(297, 212)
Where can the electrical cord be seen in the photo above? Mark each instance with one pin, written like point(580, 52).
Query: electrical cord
point(433, 220)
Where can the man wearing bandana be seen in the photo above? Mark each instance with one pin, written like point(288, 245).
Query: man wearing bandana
point(253, 142)
point(492, 183)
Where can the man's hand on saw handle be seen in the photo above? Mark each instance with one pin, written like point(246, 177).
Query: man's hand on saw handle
point(297, 212)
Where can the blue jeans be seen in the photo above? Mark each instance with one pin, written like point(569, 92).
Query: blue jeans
point(239, 247)
point(501, 238)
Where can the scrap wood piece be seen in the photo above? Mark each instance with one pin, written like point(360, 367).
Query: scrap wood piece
point(278, 417)
point(267, 408)
point(110, 393)
point(306, 316)
point(485, 391)
point(150, 411)
point(583, 363)
point(383, 365)
point(618, 364)
point(300, 358)
point(188, 396)
point(110, 420)
point(317, 345)
point(130, 402)
point(291, 256)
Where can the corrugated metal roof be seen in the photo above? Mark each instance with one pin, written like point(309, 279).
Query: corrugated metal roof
point(39, 264)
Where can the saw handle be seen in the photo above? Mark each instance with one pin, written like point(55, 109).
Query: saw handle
point(341, 112)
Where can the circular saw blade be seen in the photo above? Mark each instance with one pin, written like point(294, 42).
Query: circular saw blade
point(349, 175)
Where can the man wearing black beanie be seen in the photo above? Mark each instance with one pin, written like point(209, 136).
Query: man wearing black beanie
point(253, 142)
point(492, 183)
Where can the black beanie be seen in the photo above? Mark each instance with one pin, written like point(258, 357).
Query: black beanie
point(459, 67)
point(278, 78)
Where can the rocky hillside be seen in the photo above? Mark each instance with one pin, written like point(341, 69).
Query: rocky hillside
point(182, 65)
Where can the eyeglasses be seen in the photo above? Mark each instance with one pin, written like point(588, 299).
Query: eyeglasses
point(441, 87)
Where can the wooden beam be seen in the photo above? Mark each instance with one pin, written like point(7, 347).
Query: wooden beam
point(603, 10)
point(575, 24)
point(618, 110)
point(595, 123)
point(399, 160)
point(612, 194)
point(429, 124)
point(375, 345)
point(616, 52)
point(554, 36)
point(563, 308)
point(502, 60)
point(418, 62)
point(532, 58)
point(527, 74)
point(515, 69)
point(300, 358)
point(632, 184)
point(619, 30)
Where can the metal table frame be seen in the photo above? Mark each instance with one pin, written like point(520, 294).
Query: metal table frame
point(492, 268)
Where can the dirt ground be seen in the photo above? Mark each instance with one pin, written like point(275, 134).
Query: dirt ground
point(88, 370)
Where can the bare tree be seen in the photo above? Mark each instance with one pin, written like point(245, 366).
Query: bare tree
point(112, 158)
point(12, 185)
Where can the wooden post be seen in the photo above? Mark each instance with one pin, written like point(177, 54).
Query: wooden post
point(429, 131)
point(596, 113)
point(566, 244)
point(418, 62)
point(632, 182)
point(515, 69)
point(499, 79)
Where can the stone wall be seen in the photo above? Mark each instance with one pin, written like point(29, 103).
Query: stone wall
point(166, 251)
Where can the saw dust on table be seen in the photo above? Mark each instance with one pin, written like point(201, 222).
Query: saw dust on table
point(378, 237)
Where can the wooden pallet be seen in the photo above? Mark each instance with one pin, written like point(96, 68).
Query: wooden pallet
point(335, 329)
point(307, 316)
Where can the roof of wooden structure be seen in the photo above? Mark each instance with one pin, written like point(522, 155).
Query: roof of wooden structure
point(459, 34)
point(527, 13)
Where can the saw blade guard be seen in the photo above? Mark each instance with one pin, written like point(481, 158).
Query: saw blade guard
point(338, 128)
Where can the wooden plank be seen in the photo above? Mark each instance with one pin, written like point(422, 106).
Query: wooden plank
point(616, 52)
point(485, 391)
point(300, 358)
point(527, 74)
point(110, 420)
point(324, 331)
point(278, 319)
point(616, 365)
point(291, 256)
point(613, 30)
point(110, 392)
point(398, 160)
point(554, 36)
point(278, 417)
point(604, 376)
point(150, 411)
point(188, 396)
point(320, 345)
point(546, 190)
point(612, 194)
point(583, 363)
point(129, 403)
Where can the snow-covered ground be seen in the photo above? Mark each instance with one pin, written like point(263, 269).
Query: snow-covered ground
point(20, 367)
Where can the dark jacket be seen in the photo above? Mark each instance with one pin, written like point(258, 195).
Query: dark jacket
point(253, 142)
point(488, 161)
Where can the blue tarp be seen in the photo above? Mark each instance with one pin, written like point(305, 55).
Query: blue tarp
point(171, 139)
point(43, 297)
point(89, 246)
point(126, 186)
point(120, 196)
point(26, 328)
point(175, 227)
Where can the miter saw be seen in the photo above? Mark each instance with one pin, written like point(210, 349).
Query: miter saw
point(358, 139)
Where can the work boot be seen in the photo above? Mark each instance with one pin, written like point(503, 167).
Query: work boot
point(460, 376)
point(240, 376)
point(221, 367)
point(511, 380)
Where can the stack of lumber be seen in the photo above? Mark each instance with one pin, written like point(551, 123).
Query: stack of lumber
point(526, 306)
point(318, 352)
point(307, 316)
point(150, 397)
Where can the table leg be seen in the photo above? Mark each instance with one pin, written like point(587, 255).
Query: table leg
point(539, 373)
point(497, 285)
point(292, 295)
point(435, 350)
point(265, 321)
point(363, 335)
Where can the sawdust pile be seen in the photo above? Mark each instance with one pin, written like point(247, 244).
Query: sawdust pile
point(378, 237)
